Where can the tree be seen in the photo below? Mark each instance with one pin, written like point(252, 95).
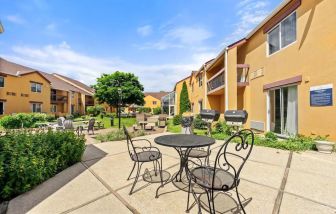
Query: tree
point(184, 99)
point(106, 89)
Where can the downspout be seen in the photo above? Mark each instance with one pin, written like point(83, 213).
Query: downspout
point(205, 87)
point(226, 80)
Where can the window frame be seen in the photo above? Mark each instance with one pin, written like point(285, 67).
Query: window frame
point(32, 107)
point(200, 80)
point(280, 35)
point(154, 102)
point(53, 108)
point(3, 78)
point(36, 87)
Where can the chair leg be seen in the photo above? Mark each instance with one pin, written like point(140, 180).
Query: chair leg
point(131, 171)
point(136, 178)
point(187, 211)
point(213, 201)
point(240, 203)
point(209, 201)
point(160, 170)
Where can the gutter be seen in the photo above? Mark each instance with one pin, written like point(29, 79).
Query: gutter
point(226, 80)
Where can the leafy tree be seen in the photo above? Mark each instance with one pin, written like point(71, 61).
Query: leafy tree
point(106, 89)
point(184, 99)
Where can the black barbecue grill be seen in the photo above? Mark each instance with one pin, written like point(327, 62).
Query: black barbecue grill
point(209, 116)
point(235, 117)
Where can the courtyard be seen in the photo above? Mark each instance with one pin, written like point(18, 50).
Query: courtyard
point(272, 181)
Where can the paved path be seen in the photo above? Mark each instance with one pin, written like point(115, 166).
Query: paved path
point(274, 181)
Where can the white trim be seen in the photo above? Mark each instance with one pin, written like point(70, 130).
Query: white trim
point(280, 42)
point(320, 87)
point(268, 111)
point(226, 80)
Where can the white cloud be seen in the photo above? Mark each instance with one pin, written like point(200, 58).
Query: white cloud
point(179, 37)
point(145, 30)
point(250, 13)
point(16, 19)
point(64, 60)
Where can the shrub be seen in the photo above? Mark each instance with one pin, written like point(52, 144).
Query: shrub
point(184, 99)
point(177, 119)
point(117, 135)
point(27, 159)
point(222, 127)
point(271, 136)
point(95, 110)
point(22, 120)
point(144, 110)
point(50, 118)
point(199, 123)
point(157, 110)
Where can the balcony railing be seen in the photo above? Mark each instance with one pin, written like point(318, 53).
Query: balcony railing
point(216, 82)
point(89, 102)
point(58, 98)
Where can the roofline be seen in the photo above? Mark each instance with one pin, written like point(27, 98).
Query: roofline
point(39, 73)
point(181, 81)
point(71, 83)
point(271, 15)
point(249, 35)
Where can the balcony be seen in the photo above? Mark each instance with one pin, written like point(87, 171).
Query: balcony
point(55, 99)
point(216, 82)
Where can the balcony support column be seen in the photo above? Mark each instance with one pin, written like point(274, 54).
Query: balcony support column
point(231, 80)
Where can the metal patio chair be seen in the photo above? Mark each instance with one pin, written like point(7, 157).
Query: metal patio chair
point(90, 126)
point(224, 175)
point(198, 153)
point(140, 155)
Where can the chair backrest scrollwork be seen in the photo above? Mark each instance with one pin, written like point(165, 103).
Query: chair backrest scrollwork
point(233, 159)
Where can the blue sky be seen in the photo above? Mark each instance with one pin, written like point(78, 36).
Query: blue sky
point(160, 41)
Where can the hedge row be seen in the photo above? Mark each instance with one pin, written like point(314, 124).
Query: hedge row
point(24, 120)
point(27, 159)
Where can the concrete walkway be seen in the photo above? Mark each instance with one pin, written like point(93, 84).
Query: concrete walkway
point(273, 181)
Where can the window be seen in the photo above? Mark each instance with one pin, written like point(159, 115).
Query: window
point(2, 82)
point(2, 108)
point(53, 108)
point(200, 80)
point(37, 107)
point(154, 102)
point(282, 35)
point(36, 87)
point(200, 104)
point(192, 87)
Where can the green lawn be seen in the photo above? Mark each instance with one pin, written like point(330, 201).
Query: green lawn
point(128, 122)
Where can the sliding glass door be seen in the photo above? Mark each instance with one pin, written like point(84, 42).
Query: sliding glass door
point(283, 110)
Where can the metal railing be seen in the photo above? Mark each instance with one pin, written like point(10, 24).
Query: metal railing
point(216, 82)
point(58, 98)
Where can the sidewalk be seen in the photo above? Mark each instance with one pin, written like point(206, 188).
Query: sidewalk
point(276, 181)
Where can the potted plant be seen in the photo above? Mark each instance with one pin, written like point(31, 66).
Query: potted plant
point(323, 145)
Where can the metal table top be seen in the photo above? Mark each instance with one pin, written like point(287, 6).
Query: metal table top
point(184, 140)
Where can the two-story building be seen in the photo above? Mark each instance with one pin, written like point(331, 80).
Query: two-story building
point(153, 99)
point(282, 72)
point(24, 89)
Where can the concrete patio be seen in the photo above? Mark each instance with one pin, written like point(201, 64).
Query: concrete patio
point(273, 181)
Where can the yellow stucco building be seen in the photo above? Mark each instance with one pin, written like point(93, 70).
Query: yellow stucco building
point(282, 73)
point(153, 99)
point(23, 89)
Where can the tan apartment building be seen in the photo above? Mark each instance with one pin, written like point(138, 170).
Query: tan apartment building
point(153, 99)
point(23, 89)
point(282, 72)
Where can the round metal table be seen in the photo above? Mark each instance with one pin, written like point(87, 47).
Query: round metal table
point(182, 143)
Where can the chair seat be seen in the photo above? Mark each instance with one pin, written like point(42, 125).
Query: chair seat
point(197, 153)
point(203, 176)
point(146, 156)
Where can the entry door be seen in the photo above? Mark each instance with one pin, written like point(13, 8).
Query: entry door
point(2, 108)
point(283, 111)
